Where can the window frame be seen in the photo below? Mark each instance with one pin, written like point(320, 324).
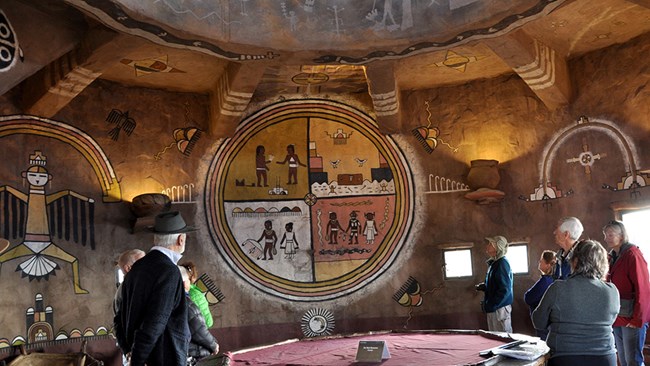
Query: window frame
point(451, 247)
point(525, 244)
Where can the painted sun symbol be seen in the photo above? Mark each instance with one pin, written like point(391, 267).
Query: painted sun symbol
point(317, 322)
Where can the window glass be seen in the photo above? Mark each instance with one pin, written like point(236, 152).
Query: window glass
point(518, 257)
point(458, 263)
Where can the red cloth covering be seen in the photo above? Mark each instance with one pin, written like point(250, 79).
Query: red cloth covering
point(405, 349)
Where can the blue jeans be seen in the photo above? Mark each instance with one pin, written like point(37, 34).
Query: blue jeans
point(629, 344)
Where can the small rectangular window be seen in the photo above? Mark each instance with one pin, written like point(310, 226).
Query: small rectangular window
point(458, 263)
point(517, 256)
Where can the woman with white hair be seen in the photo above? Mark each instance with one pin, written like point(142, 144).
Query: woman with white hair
point(579, 311)
point(497, 302)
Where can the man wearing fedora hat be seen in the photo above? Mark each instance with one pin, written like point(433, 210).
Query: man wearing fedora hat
point(151, 323)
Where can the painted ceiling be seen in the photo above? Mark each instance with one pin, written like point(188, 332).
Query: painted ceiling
point(316, 47)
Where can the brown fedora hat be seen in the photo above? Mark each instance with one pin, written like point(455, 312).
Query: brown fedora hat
point(171, 223)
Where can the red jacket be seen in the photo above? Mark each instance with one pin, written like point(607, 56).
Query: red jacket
point(629, 273)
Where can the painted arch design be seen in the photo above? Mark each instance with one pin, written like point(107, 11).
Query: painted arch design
point(607, 127)
point(346, 212)
point(630, 156)
point(82, 142)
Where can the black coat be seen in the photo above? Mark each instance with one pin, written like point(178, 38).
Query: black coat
point(202, 343)
point(152, 320)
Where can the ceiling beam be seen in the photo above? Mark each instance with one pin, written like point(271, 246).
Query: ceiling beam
point(384, 92)
point(54, 86)
point(38, 37)
point(539, 66)
point(230, 97)
point(644, 3)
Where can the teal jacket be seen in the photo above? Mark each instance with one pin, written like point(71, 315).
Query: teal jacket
point(198, 297)
point(498, 285)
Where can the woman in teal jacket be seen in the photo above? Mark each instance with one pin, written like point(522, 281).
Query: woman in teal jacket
point(497, 302)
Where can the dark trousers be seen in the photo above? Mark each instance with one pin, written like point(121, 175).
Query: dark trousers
point(606, 360)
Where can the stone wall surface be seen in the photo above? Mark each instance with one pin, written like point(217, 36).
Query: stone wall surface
point(497, 119)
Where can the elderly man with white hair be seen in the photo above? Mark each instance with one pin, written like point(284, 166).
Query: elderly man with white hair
point(497, 302)
point(151, 323)
point(567, 233)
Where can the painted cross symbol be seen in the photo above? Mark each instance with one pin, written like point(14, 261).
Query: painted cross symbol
point(586, 158)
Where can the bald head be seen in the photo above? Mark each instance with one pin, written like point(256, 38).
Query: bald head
point(127, 259)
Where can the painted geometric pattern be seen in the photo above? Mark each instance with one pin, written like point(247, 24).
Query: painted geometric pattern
point(308, 201)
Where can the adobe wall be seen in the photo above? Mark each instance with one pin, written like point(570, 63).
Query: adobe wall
point(168, 149)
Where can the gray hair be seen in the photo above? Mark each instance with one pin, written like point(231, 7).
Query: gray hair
point(589, 259)
point(499, 243)
point(618, 227)
point(184, 273)
point(165, 240)
point(571, 225)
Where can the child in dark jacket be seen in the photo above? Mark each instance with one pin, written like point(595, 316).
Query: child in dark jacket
point(534, 295)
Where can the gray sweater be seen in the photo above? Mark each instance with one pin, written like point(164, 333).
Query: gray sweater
point(579, 313)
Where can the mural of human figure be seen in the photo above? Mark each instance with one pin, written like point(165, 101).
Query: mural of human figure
point(37, 243)
point(333, 227)
point(369, 228)
point(270, 238)
point(353, 227)
point(289, 242)
point(261, 165)
point(294, 162)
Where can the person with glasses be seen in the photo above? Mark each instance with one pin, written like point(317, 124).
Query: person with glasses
point(629, 272)
point(196, 295)
point(202, 342)
point(579, 311)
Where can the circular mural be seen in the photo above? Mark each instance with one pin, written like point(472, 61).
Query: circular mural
point(308, 201)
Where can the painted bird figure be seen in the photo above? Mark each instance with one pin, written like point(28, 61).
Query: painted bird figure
point(360, 161)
